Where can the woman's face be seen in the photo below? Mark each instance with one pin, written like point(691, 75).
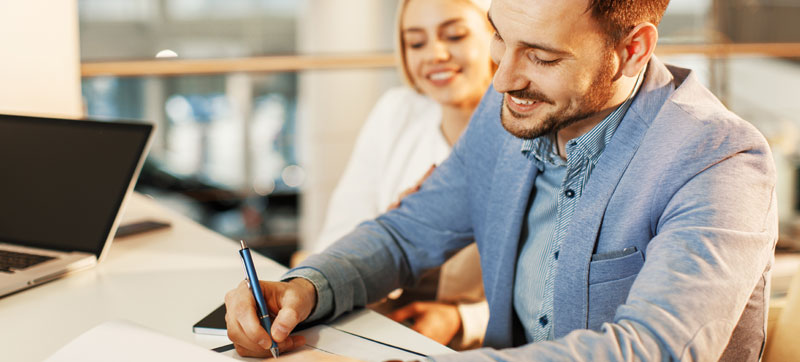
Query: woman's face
point(447, 50)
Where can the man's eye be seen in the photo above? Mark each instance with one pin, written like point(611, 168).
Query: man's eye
point(544, 62)
point(547, 62)
point(416, 45)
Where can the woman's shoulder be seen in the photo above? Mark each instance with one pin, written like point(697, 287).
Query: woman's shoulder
point(404, 94)
point(405, 98)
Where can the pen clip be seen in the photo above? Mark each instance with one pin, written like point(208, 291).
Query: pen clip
point(244, 268)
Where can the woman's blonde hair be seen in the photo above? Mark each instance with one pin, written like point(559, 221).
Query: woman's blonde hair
point(482, 5)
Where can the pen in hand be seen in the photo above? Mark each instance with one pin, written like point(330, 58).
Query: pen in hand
point(255, 288)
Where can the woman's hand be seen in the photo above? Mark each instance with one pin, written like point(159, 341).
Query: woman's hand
point(436, 320)
point(411, 189)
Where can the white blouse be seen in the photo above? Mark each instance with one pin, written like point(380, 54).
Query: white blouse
point(399, 142)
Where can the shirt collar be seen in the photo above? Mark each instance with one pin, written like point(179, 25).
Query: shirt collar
point(543, 150)
point(589, 145)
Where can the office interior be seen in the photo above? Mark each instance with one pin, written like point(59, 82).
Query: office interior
point(258, 102)
point(258, 152)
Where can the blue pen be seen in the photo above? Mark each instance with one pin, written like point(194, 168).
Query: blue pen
point(255, 287)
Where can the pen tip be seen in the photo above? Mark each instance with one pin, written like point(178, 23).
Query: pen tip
point(244, 246)
point(274, 351)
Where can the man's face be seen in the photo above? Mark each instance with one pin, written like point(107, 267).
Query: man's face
point(555, 66)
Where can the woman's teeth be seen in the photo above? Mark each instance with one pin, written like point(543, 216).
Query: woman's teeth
point(441, 75)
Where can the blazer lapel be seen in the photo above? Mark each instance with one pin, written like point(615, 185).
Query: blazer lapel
point(512, 182)
point(570, 297)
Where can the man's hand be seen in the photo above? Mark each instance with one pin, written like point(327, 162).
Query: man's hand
point(436, 320)
point(293, 301)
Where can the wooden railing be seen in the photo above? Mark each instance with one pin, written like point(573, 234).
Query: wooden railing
point(293, 63)
point(776, 50)
point(265, 64)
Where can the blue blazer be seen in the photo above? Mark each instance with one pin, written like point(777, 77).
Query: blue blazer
point(684, 180)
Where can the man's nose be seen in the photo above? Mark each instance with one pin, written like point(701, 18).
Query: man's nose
point(509, 75)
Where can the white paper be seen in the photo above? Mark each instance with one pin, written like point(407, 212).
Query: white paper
point(377, 327)
point(123, 341)
point(334, 341)
point(356, 333)
point(330, 340)
point(232, 354)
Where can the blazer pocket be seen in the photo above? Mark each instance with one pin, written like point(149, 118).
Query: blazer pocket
point(605, 298)
point(610, 280)
point(605, 270)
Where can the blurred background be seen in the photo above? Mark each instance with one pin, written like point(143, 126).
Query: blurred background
point(258, 102)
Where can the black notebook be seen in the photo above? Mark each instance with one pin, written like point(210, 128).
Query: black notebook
point(213, 323)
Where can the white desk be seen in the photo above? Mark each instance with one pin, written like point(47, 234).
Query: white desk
point(166, 280)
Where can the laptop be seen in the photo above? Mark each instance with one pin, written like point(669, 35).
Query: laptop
point(63, 184)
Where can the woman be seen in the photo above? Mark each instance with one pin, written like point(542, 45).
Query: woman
point(443, 47)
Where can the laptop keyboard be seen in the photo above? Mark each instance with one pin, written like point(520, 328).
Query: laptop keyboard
point(13, 260)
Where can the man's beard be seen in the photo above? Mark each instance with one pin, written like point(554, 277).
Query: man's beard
point(592, 102)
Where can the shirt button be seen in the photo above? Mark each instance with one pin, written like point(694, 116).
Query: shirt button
point(555, 255)
point(569, 193)
point(543, 320)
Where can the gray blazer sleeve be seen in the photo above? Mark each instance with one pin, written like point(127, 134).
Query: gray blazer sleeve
point(394, 250)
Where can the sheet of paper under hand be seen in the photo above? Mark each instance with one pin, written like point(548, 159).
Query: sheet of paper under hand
point(330, 340)
point(368, 336)
point(334, 341)
point(372, 325)
point(123, 341)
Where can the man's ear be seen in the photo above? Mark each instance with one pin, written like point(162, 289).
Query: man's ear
point(636, 49)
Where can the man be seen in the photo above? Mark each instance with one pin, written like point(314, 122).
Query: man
point(621, 212)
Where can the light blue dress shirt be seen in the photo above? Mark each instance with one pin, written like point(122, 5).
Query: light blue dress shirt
point(558, 187)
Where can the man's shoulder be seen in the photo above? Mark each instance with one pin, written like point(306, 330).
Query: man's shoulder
point(486, 117)
point(485, 142)
point(692, 115)
point(485, 136)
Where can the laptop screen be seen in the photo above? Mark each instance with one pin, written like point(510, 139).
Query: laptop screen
point(62, 181)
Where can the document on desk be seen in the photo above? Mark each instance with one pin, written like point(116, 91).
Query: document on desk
point(125, 341)
point(369, 324)
point(331, 340)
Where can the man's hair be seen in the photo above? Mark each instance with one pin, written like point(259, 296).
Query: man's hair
point(618, 17)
